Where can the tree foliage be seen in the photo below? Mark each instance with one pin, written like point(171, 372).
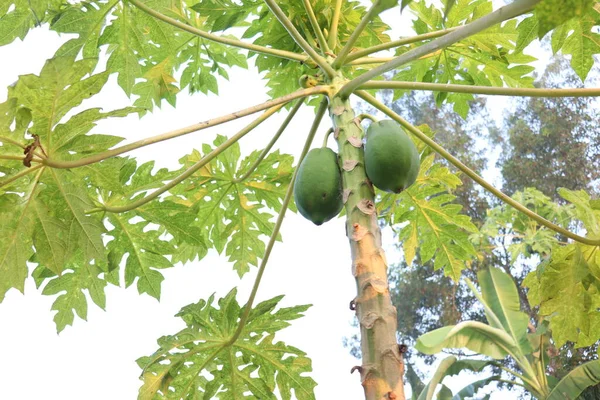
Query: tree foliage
point(77, 213)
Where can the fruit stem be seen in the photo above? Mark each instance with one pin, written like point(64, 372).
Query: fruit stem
point(326, 138)
point(363, 116)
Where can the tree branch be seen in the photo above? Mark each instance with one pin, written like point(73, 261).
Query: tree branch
point(471, 174)
point(288, 196)
point(315, 25)
point(266, 150)
point(398, 43)
point(485, 90)
point(507, 12)
point(190, 171)
point(216, 38)
point(287, 24)
point(184, 131)
point(333, 31)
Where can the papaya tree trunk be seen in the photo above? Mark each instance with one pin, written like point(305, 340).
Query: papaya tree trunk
point(382, 366)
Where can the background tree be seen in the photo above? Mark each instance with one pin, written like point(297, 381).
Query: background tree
point(546, 144)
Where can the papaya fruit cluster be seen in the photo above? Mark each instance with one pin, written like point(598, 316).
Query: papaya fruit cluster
point(391, 162)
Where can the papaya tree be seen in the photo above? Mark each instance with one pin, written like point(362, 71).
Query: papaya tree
point(76, 208)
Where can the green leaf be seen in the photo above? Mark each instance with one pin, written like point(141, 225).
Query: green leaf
point(435, 225)
point(145, 253)
point(567, 293)
point(17, 17)
point(60, 87)
point(255, 363)
point(576, 381)
point(552, 13)
point(235, 215)
point(86, 20)
point(471, 389)
point(71, 287)
point(577, 38)
point(501, 296)
point(16, 228)
point(473, 335)
point(448, 367)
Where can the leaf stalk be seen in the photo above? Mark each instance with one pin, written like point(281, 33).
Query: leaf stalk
point(398, 43)
point(186, 130)
point(216, 38)
point(266, 150)
point(483, 90)
point(288, 196)
point(190, 171)
point(509, 11)
point(287, 24)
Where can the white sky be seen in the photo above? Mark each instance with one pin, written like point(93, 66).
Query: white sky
point(96, 359)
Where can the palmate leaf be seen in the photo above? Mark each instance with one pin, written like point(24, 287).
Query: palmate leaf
point(16, 21)
point(488, 58)
point(567, 285)
point(255, 363)
point(70, 288)
point(44, 214)
point(119, 181)
point(572, 24)
point(552, 13)
point(235, 215)
point(430, 221)
point(567, 293)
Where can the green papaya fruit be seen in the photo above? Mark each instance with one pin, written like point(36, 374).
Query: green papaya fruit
point(318, 186)
point(391, 159)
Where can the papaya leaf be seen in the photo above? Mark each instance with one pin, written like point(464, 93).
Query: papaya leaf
point(197, 362)
point(576, 381)
point(567, 292)
point(16, 21)
point(435, 225)
point(473, 335)
point(488, 58)
point(577, 38)
point(16, 228)
point(552, 13)
point(86, 20)
point(235, 215)
point(70, 288)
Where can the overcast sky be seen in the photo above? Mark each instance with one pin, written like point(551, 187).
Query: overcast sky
point(96, 359)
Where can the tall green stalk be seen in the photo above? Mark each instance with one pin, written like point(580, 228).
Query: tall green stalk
point(382, 366)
